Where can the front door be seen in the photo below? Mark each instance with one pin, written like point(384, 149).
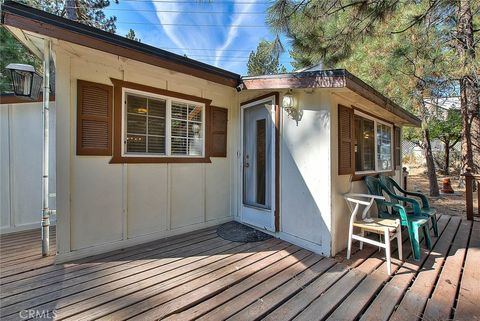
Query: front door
point(259, 164)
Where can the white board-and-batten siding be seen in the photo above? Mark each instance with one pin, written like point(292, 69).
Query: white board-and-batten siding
point(106, 206)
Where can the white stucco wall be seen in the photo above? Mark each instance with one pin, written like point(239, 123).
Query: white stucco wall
point(21, 165)
point(305, 172)
point(105, 206)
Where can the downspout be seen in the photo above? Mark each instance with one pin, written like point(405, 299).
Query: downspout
point(45, 160)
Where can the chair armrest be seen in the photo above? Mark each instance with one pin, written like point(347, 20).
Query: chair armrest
point(425, 203)
point(415, 204)
point(364, 195)
point(401, 210)
point(424, 199)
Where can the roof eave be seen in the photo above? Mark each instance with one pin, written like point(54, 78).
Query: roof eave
point(335, 78)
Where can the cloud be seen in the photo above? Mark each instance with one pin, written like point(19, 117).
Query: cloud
point(233, 31)
point(169, 18)
point(166, 30)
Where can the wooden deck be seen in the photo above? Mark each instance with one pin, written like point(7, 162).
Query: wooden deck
point(201, 276)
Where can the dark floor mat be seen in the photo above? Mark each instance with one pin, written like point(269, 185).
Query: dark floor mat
point(236, 232)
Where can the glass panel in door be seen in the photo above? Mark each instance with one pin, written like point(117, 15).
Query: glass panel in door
point(257, 155)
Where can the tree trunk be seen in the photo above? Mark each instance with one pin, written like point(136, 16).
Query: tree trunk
point(446, 168)
point(469, 89)
point(432, 175)
point(71, 10)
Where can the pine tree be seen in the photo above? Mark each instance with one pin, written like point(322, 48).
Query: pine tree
point(265, 60)
point(131, 35)
point(89, 12)
point(337, 32)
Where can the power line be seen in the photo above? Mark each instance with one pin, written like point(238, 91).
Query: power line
point(183, 11)
point(189, 25)
point(173, 48)
point(203, 2)
point(15, 45)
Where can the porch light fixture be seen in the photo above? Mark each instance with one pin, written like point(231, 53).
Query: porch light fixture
point(289, 104)
point(26, 82)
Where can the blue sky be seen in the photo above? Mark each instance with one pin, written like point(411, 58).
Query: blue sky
point(215, 37)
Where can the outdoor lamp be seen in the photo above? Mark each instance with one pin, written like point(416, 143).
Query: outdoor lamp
point(26, 82)
point(288, 101)
point(289, 104)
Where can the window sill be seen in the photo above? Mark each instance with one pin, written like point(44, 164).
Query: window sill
point(158, 160)
point(360, 176)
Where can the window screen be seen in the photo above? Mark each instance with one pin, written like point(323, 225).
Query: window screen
point(156, 126)
point(146, 118)
point(187, 129)
point(384, 147)
point(365, 144)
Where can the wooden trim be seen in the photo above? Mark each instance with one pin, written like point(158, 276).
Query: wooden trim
point(277, 161)
point(89, 41)
point(12, 99)
point(372, 115)
point(359, 177)
point(117, 125)
point(83, 151)
point(290, 81)
point(270, 94)
point(159, 91)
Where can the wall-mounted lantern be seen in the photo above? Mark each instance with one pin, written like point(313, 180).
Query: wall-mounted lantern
point(290, 105)
point(26, 82)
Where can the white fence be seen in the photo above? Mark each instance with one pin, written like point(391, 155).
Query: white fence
point(21, 165)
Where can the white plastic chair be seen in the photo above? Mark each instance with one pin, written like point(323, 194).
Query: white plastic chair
point(387, 228)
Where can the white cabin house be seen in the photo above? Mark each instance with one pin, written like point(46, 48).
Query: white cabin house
point(151, 144)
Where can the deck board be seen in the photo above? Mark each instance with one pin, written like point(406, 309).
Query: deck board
point(392, 292)
point(469, 295)
point(199, 276)
point(415, 299)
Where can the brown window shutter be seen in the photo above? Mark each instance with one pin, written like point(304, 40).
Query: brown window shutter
point(218, 131)
point(94, 118)
point(397, 147)
point(346, 143)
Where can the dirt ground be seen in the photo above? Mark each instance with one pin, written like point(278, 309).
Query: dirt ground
point(451, 204)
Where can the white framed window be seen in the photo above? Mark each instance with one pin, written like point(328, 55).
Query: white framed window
point(161, 126)
point(373, 144)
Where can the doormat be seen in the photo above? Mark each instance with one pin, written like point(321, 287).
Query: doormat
point(236, 232)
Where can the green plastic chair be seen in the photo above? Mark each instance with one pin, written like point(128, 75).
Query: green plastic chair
point(412, 220)
point(426, 210)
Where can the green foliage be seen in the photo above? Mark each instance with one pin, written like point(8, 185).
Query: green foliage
point(405, 49)
point(131, 35)
point(448, 129)
point(11, 51)
point(265, 60)
point(89, 12)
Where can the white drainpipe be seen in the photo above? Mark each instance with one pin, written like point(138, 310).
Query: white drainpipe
point(45, 160)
